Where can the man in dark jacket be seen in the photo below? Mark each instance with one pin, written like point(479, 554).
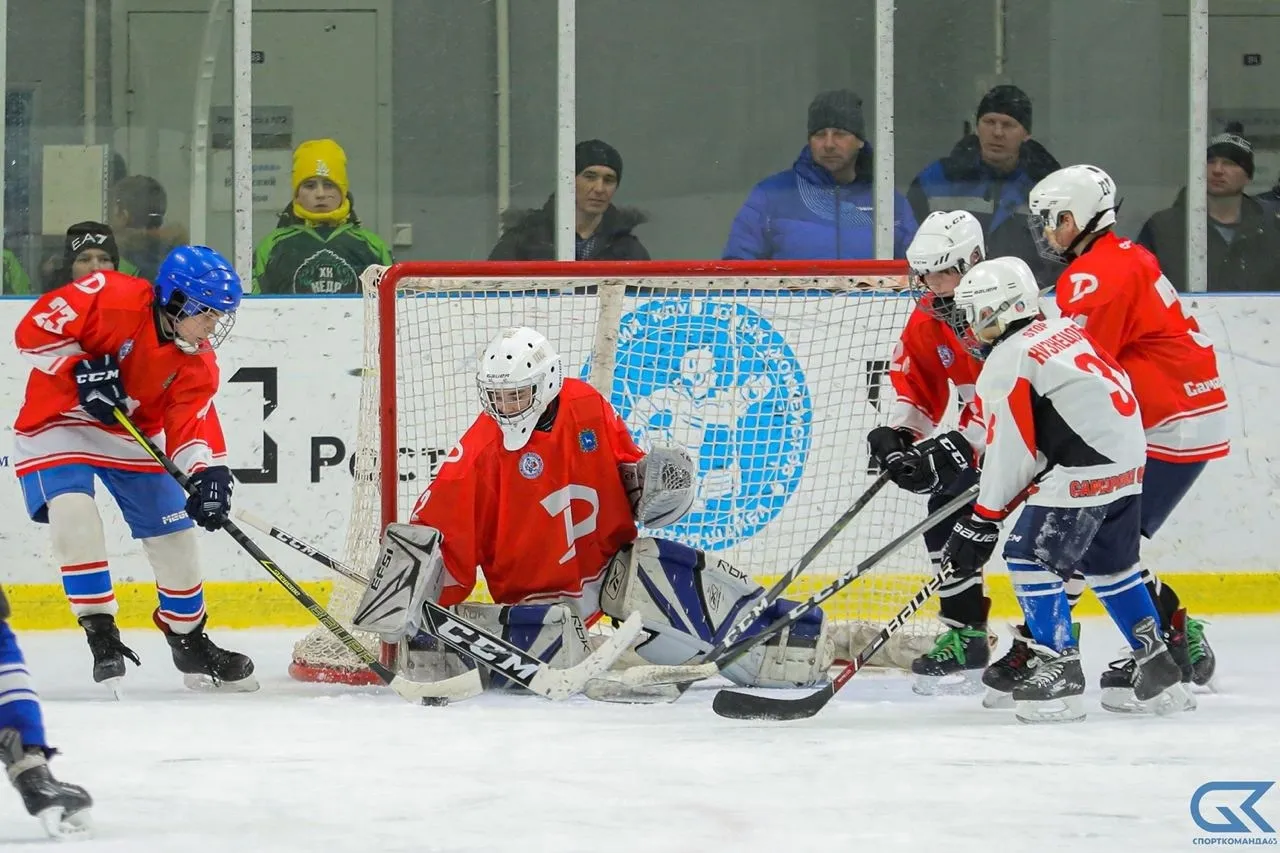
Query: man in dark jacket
point(1244, 236)
point(990, 173)
point(820, 208)
point(603, 231)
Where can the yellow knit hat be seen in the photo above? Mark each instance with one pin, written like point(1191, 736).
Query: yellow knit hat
point(322, 158)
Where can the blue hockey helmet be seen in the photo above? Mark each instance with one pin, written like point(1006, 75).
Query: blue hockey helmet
point(196, 279)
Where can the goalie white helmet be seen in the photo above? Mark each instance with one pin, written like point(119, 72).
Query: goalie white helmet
point(1086, 192)
point(519, 377)
point(945, 241)
point(993, 296)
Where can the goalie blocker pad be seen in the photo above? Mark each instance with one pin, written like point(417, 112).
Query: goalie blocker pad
point(688, 605)
point(410, 570)
point(661, 486)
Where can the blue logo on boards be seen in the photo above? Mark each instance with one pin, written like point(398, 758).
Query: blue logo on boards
point(720, 380)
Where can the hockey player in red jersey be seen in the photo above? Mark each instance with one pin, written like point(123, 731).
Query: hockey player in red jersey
point(928, 360)
point(1061, 414)
point(1114, 288)
point(110, 341)
point(543, 494)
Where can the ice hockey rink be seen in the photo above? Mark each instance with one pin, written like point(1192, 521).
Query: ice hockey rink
point(302, 767)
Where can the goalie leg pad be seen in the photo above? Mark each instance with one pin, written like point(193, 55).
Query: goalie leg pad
point(687, 605)
point(410, 570)
point(553, 633)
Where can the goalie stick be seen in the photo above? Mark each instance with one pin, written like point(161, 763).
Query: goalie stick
point(446, 625)
point(736, 705)
point(511, 661)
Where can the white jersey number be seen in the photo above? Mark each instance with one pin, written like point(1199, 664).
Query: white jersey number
point(57, 317)
point(560, 502)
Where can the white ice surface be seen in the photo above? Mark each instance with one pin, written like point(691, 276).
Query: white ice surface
point(300, 767)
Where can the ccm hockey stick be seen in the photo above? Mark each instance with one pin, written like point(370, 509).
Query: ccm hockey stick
point(513, 663)
point(486, 649)
point(748, 706)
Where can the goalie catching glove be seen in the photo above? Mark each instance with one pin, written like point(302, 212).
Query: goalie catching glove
point(660, 486)
point(926, 468)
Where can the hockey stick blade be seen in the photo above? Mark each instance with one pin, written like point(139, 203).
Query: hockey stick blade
point(486, 649)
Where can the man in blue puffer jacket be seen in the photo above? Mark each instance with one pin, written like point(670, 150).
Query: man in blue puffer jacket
point(820, 208)
point(990, 173)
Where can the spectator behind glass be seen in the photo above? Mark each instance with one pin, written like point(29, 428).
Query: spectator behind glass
point(89, 247)
point(1244, 235)
point(990, 173)
point(603, 232)
point(822, 206)
point(138, 206)
point(319, 246)
point(14, 279)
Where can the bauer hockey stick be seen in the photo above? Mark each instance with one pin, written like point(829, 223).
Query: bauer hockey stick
point(532, 673)
point(748, 706)
point(486, 649)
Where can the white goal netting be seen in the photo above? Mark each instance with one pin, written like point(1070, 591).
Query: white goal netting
point(771, 380)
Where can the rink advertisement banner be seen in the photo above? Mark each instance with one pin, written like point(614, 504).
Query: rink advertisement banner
point(291, 387)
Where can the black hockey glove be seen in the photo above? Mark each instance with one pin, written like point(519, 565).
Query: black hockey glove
point(971, 544)
point(934, 464)
point(98, 381)
point(209, 502)
point(889, 447)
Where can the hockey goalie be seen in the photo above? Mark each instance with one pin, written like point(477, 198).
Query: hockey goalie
point(543, 493)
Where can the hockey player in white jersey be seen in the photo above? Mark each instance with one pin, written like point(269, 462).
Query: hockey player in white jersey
point(1062, 414)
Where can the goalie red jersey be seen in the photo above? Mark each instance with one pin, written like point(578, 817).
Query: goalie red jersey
point(927, 356)
point(170, 392)
point(539, 521)
point(1117, 292)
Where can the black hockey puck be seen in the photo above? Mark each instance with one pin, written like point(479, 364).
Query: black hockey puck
point(433, 701)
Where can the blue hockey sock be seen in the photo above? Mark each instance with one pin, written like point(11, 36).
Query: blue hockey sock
point(1126, 599)
point(19, 705)
point(1043, 598)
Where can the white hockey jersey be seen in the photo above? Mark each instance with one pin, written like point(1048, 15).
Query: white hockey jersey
point(1057, 405)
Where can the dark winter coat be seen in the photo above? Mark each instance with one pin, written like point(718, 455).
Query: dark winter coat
point(1249, 263)
point(964, 181)
point(801, 213)
point(529, 235)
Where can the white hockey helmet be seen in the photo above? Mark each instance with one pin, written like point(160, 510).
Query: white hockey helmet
point(519, 377)
point(945, 240)
point(994, 295)
point(1086, 192)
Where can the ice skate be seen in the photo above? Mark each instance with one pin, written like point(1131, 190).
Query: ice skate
point(61, 808)
point(1002, 675)
point(1146, 681)
point(1204, 663)
point(1053, 689)
point(205, 665)
point(954, 666)
point(109, 652)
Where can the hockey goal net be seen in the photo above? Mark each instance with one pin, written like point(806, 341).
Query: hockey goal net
point(770, 373)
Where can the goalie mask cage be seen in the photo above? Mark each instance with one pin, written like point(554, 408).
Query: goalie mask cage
point(770, 373)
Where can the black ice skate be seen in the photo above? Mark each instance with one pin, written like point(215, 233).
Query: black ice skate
point(62, 809)
point(109, 652)
point(1147, 681)
point(204, 665)
point(1203, 661)
point(1175, 639)
point(1001, 676)
point(953, 667)
point(1053, 690)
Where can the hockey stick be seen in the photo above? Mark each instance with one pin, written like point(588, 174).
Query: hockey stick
point(748, 706)
point(498, 654)
point(451, 629)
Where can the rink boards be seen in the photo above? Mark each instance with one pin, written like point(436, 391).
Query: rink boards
point(289, 372)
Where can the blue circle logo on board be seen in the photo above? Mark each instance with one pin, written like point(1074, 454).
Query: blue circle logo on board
point(720, 380)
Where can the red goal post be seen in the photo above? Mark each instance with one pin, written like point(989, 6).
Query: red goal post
point(770, 372)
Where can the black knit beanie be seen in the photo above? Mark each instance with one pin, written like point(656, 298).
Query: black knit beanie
point(1232, 146)
point(1010, 101)
point(593, 152)
point(89, 235)
point(840, 109)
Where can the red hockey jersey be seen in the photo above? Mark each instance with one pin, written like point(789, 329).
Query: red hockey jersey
point(928, 356)
point(1117, 292)
point(170, 392)
point(1057, 405)
point(539, 521)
